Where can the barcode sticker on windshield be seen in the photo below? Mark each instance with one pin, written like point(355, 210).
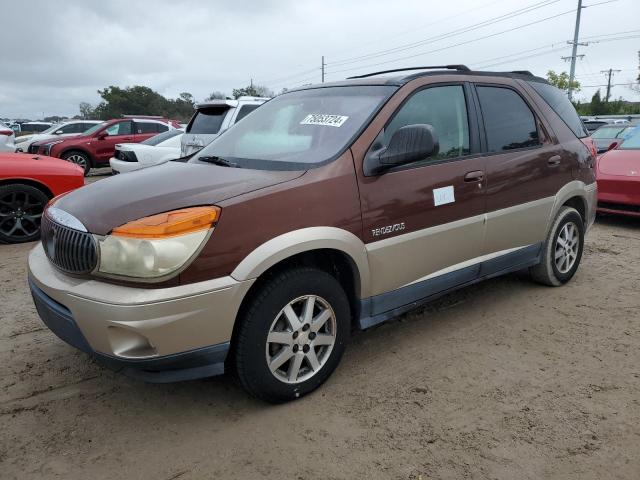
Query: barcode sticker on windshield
point(322, 119)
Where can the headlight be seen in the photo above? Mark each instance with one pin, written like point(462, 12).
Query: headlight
point(156, 246)
point(47, 146)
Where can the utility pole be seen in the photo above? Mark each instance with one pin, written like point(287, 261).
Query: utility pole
point(609, 73)
point(323, 64)
point(574, 51)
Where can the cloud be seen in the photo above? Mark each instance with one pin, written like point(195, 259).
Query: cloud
point(57, 54)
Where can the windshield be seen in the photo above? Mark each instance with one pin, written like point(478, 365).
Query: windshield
point(631, 140)
point(153, 141)
point(298, 129)
point(94, 129)
point(608, 132)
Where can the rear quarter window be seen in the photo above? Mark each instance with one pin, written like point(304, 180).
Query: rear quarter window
point(207, 120)
point(559, 103)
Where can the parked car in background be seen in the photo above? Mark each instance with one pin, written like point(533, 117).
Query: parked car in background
point(610, 134)
point(7, 139)
point(96, 146)
point(593, 124)
point(329, 208)
point(34, 127)
point(66, 129)
point(153, 151)
point(214, 117)
point(618, 174)
point(27, 183)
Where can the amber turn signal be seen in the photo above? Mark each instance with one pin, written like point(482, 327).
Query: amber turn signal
point(170, 224)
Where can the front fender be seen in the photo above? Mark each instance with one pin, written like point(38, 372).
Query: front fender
point(299, 241)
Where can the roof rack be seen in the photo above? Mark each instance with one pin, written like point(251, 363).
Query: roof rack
point(522, 72)
point(461, 68)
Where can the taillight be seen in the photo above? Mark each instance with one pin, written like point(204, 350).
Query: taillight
point(591, 146)
point(8, 133)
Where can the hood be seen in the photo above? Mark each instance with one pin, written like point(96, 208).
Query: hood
point(621, 163)
point(55, 138)
point(114, 201)
point(25, 165)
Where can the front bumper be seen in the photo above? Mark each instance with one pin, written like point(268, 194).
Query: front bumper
point(156, 334)
point(619, 195)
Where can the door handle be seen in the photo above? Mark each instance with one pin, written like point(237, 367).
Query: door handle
point(555, 160)
point(476, 176)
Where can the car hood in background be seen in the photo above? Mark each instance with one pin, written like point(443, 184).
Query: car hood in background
point(112, 202)
point(620, 163)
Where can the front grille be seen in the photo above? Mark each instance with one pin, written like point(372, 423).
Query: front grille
point(70, 250)
point(33, 148)
point(622, 207)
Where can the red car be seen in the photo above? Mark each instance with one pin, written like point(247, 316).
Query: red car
point(97, 145)
point(27, 183)
point(618, 175)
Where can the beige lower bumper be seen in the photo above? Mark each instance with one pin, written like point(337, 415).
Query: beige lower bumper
point(139, 323)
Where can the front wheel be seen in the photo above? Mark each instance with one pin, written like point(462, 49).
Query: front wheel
point(79, 158)
point(21, 208)
point(292, 334)
point(562, 251)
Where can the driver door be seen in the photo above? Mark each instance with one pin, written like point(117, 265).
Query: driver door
point(422, 221)
point(120, 132)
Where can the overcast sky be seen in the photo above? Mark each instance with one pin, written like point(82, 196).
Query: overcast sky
point(57, 54)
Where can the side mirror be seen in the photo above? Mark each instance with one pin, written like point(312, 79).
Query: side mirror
point(409, 144)
point(613, 146)
point(102, 135)
point(58, 132)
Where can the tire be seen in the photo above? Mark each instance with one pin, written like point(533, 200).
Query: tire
point(266, 322)
point(79, 158)
point(21, 208)
point(556, 272)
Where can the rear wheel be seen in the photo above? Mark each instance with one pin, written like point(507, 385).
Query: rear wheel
point(21, 208)
point(79, 158)
point(292, 335)
point(562, 251)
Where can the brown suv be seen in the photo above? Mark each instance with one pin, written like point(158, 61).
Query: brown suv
point(330, 208)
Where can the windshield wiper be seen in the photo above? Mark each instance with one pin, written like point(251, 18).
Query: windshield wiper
point(223, 162)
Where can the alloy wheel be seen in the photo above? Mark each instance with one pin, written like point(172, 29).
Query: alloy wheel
point(78, 160)
point(300, 339)
point(567, 245)
point(20, 214)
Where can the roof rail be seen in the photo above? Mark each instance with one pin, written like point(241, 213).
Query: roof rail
point(523, 72)
point(462, 68)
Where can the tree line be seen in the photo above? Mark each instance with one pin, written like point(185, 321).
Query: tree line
point(141, 100)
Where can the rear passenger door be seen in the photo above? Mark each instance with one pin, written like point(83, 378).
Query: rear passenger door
point(423, 220)
point(525, 169)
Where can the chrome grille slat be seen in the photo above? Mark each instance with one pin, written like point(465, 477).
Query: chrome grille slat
point(70, 250)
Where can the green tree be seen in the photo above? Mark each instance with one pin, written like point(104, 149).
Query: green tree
point(140, 100)
point(561, 80)
point(215, 95)
point(597, 107)
point(86, 110)
point(252, 91)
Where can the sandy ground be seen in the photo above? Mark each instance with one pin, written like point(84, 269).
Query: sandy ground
point(502, 380)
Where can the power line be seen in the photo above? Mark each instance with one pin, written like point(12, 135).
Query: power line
point(454, 33)
point(456, 44)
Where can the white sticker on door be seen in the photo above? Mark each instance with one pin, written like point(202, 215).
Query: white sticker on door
point(325, 120)
point(444, 195)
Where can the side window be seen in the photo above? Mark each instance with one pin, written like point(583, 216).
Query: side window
point(244, 111)
point(559, 102)
point(445, 109)
point(508, 120)
point(73, 128)
point(120, 128)
point(147, 127)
